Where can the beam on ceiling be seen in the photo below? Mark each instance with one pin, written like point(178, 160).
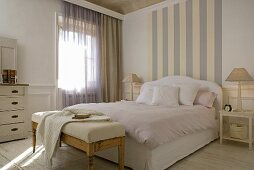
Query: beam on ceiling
point(97, 8)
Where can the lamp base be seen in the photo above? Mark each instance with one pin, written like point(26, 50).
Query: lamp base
point(239, 98)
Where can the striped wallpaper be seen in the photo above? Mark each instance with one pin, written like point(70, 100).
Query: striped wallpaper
point(186, 39)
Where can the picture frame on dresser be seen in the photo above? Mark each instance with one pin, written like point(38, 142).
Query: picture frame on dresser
point(8, 54)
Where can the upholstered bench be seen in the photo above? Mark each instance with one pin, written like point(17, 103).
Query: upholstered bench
point(89, 137)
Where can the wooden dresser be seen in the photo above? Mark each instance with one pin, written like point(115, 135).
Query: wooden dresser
point(13, 112)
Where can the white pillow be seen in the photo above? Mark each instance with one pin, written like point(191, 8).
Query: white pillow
point(188, 93)
point(146, 95)
point(166, 95)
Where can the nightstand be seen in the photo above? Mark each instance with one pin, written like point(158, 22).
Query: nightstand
point(243, 114)
point(135, 91)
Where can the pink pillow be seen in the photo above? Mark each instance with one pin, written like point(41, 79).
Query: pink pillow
point(205, 98)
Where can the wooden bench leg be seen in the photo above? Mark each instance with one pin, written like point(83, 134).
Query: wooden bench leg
point(60, 141)
point(90, 154)
point(90, 162)
point(34, 139)
point(121, 154)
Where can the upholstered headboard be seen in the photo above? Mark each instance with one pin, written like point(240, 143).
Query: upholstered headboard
point(205, 85)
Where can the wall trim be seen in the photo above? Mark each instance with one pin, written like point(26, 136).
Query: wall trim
point(242, 98)
point(235, 88)
point(97, 8)
point(42, 85)
point(44, 94)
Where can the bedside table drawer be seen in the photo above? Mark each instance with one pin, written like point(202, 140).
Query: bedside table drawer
point(12, 91)
point(136, 89)
point(12, 129)
point(11, 103)
point(8, 117)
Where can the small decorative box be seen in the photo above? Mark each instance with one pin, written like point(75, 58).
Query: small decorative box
point(239, 131)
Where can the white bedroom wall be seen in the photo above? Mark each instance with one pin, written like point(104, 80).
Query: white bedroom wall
point(134, 45)
point(238, 46)
point(32, 23)
point(135, 41)
point(238, 35)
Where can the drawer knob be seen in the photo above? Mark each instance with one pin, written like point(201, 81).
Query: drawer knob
point(14, 91)
point(14, 129)
point(14, 116)
point(14, 103)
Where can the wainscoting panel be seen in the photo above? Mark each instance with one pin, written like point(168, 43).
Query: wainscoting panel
point(41, 98)
point(185, 39)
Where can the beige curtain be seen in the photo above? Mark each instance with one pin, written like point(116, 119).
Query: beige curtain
point(111, 54)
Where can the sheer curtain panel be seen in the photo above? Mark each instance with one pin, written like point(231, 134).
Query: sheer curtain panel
point(79, 55)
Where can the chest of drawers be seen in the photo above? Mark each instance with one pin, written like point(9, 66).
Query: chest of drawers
point(13, 112)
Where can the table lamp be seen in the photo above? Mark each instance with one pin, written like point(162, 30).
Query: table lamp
point(239, 75)
point(131, 78)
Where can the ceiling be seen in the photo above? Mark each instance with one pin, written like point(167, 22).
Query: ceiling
point(124, 6)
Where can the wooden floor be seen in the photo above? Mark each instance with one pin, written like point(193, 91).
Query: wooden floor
point(17, 155)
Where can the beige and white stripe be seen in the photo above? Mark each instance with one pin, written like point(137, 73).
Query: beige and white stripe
point(160, 44)
point(183, 38)
point(196, 39)
point(149, 45)
point(193, 41)
point(210, 40)
point(171, 39)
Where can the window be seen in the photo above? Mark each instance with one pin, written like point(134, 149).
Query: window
point(77, 67)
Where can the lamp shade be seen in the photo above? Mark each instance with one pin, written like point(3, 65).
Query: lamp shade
point(131, 78)
point(239, 74)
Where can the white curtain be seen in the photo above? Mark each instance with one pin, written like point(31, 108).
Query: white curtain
point(79, 51)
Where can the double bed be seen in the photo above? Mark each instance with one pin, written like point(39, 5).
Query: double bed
point(158, 136)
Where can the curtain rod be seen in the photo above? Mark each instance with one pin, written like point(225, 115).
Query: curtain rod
point(97, 8)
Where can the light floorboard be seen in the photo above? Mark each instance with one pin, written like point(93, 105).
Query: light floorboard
point(17, 155)
point(3, 161)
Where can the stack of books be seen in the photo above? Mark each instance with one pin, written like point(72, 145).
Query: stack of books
point(9, 76)
point(81, 116)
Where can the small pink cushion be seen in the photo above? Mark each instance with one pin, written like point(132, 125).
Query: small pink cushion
point(205, 98)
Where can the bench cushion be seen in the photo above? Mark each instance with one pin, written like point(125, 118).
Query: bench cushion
point(89, 131)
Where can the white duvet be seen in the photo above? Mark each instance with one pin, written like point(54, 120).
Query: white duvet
point(156, 125)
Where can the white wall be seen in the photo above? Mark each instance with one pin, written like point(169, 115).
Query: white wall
point(237, 39)
point(134, 46)
point(238, 35)
point(238, 46)
point(32, 23)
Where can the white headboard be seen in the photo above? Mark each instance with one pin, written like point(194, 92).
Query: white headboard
point(205, 85)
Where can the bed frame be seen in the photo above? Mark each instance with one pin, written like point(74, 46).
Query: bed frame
point(139, 157)
point(89, 148)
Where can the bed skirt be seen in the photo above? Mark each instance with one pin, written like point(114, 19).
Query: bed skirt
point(139, 157)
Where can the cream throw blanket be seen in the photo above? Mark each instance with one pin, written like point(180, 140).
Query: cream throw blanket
point(52, 122)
